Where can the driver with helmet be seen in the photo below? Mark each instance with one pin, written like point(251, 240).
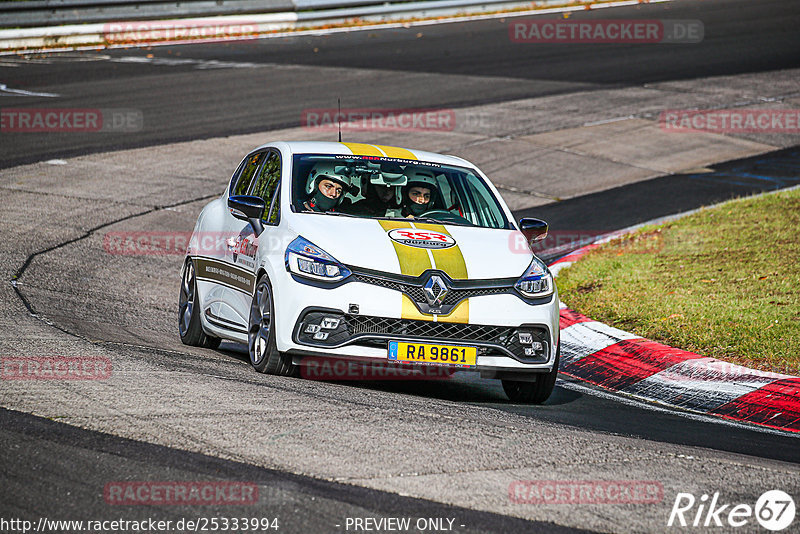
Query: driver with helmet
point(325, 188)
point(419, 194)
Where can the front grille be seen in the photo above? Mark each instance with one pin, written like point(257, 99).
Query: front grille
point(413, 288)
point(363, 324)
point(456, 295)
point(414, 291)
point(373, 331)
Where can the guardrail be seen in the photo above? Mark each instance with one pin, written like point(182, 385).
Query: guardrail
point(40, 13)
point(188, 22)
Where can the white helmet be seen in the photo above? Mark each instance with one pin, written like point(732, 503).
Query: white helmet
point(389, 174)
point(421, 178)
point(328, 170)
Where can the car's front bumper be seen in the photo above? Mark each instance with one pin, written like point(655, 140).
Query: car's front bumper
point(493, 325)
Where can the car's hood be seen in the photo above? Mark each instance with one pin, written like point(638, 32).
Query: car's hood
point(477, 253)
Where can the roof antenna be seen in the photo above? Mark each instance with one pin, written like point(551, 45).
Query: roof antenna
point(339, 116)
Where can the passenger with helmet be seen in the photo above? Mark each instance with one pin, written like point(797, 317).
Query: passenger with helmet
point(326, 188)
point(382, 192)
point(419, 194)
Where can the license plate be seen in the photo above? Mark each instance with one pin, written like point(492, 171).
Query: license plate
point(430, 353)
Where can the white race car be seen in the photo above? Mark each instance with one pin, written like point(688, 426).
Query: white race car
point(371, 253)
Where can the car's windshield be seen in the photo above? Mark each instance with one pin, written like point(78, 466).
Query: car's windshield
point(374, 187)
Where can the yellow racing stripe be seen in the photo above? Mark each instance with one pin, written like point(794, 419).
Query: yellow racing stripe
point(361, 149)
point(459, 315)
point(396, 152)
point(449, 260)
point(413, 261)
point(410, 311)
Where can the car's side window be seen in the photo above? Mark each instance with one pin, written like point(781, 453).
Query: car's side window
point(267, 187)
point(235, 176)
point(247, 174)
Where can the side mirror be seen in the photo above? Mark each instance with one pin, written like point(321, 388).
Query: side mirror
point(533, 229)
point(248, 208)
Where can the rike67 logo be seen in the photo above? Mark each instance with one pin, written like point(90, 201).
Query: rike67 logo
point(774, 510)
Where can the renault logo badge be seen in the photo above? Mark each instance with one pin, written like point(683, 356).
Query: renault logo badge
point(435, 291)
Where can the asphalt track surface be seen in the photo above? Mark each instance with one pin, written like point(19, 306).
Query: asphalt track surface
point(648, 200)
point(51, 466)
point(447, 66)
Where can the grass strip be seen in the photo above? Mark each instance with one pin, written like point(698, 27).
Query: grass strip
point(723, 282)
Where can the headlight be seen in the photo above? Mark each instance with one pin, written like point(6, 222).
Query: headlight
point(303, 258)
point(536, 282)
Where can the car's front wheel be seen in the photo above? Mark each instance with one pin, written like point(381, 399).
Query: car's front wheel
point(189, 326)
point(533, 392)
point(264, 354)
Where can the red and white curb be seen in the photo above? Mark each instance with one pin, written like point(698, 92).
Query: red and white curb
point(640, 368)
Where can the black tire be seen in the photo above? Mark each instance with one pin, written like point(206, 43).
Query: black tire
point(189, 326)
point(533, 392)
point(264, 355)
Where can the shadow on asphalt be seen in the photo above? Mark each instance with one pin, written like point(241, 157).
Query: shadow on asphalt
point(55, 469)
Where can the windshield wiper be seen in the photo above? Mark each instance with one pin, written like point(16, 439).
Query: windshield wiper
point(340, 214)
point(337, 213)
point(432, 221)
point(428, 220)
point(460, 223)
